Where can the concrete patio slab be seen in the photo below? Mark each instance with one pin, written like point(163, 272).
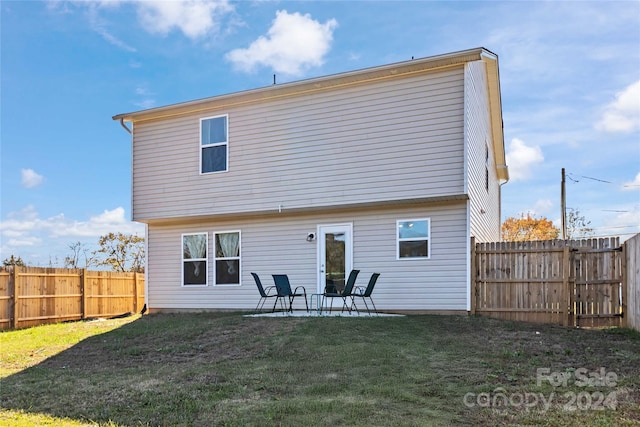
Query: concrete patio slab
point(314, 313)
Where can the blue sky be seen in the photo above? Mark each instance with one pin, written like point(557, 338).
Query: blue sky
point(570, 80)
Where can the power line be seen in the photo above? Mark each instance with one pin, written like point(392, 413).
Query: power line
point(596, 179)
point(607, 227)
point(574, 178)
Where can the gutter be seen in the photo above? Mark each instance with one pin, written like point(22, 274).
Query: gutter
point(124, 126)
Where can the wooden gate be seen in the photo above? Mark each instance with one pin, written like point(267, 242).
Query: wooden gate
point(597, 282)
point(573, 283)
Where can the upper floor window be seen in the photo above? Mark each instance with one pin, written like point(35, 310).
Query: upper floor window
point(214, 144)
point(413, 238)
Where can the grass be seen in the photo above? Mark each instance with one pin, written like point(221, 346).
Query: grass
point(224, 369)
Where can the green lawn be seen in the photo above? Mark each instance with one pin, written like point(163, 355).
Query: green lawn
point(225, 369)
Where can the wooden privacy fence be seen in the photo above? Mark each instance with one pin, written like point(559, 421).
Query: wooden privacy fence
point(31, 296)
point(568, 282)
point(632, 280)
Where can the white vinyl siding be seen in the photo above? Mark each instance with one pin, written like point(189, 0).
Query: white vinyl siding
point(484, 202)
point(277, 244)
point(393, 140)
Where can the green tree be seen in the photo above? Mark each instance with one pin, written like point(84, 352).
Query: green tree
point(528, 228)
point(13, 261)
point(121, 252)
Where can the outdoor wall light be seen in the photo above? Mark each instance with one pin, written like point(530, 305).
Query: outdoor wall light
point(311, 237)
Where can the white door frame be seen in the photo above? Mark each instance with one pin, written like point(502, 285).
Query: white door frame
point(323, 229)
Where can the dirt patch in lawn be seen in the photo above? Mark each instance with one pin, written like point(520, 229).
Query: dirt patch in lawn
point(166, 339)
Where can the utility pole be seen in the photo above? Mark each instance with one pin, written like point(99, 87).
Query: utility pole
point(563, 207)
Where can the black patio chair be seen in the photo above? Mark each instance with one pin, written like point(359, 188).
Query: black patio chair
point(285, 293)
point(331, 293)
point(364, 293)
point(265, 293)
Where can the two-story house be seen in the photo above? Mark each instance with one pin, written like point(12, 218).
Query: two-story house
point(390, 169)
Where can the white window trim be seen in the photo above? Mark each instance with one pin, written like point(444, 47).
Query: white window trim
point(205, 259)
point(239, 258)
point(428, 239)
point(202, 147)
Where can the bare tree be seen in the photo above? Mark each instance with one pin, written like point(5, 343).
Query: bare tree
point(78, 250)
point(577, 225)
point(122, 252)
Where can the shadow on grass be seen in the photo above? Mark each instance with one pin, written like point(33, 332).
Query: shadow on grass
point(224, 369)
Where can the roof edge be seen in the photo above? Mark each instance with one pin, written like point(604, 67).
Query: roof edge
point(495, 113)
point(409, 67)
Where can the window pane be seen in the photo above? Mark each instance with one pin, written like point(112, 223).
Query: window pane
point(411, 229)
point(227, 245)
point(194, 246)
point(228, 272)
point(195, 273)
point(214, 130)
point(410, 249)
point(214, 159)
point(335, 268)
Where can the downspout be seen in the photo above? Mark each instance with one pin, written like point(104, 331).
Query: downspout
point(504, 181)
point(146, 234)
point(124, 126)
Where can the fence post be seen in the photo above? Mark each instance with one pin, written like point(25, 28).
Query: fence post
point(135, 291)
point(566, 283)
point(83, 291)
point(472, 277)
point(625, 285)
point(14, 298)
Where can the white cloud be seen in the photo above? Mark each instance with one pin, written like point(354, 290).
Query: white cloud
point(92, 12)
point(521, 159)
point(543, 207)
point(294, 43)
point(113, 39)
point(193, 17)
point(26, 226)
point(633, 185)
point(31, 179)
point(147, 101)
point(108, 221)
point(26, 241)
point(40, 240)
point(625, 223)
point(623, 114)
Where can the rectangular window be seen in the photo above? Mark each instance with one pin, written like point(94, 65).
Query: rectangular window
point(227, 258)
point(214, 144)
point(194, 259)
point(413, 238)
